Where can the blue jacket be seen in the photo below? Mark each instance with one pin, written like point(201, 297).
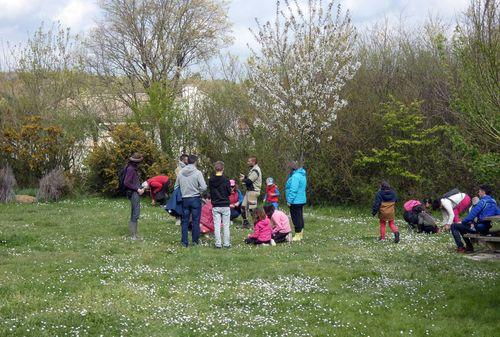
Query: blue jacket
point(383, 196)
point(174, 204)
point(487, 206)
point(295, 188)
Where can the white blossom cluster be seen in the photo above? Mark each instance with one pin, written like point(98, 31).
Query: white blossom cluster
point(304, 62)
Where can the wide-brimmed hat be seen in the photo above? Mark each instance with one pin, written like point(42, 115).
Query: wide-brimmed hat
point(136, 158)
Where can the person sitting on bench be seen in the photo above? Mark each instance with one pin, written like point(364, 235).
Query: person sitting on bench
point(486, 207)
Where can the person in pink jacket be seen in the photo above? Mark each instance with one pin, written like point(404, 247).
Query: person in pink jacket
point(262, 231)
point(280, 225)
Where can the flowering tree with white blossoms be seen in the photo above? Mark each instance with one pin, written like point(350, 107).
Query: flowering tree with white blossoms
point(305, 59)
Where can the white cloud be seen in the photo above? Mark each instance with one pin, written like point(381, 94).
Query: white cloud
point(77, 14)
point(13, 9)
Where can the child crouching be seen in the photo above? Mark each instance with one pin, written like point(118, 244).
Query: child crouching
point(280, 225)
point(262, 230)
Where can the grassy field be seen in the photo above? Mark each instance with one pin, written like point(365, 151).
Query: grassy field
point(68, 269)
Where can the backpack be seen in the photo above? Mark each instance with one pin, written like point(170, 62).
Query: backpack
point(450, 193)
point(408, 206)
point(121, 180)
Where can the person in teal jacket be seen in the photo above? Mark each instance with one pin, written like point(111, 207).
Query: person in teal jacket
point(295, 190)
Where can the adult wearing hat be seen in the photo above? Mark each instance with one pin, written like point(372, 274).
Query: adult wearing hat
point(133, 191)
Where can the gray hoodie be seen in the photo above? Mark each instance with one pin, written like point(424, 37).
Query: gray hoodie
point(191, 182)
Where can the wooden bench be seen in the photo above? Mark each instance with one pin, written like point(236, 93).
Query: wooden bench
point(492, 240)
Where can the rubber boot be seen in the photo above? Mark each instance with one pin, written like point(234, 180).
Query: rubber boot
point(133, 230)
point(396, 237)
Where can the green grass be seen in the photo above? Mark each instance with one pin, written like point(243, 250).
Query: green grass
point(68, 269)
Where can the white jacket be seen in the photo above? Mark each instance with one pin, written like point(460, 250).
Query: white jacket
point(448, 205)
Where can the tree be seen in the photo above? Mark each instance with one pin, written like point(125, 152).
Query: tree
point(146, 43)
point(305, 59)
point(108, 158)
point(405, 149)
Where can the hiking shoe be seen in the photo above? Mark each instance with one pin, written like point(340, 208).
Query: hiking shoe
point(273, 243)
point(461, 250)
point(396, 237)
point(469, 250)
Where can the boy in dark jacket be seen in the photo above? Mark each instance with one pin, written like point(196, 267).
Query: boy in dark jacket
point(133, 191)
point(384, 205)
point(220, 190)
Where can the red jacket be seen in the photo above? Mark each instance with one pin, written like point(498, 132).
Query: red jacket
point(156, 184)
point(262, 230)
point(207, 218)
point(272, 193)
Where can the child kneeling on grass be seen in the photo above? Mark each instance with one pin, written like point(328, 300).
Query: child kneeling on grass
point(280, 225)
point(262, 230)
point(384, 205)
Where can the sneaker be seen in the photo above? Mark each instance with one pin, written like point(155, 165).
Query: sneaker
point(178, 222)
point(227, 247)
point(264, 244)
point(461, 250)
point(289, 237)
point(273, 243)
point(218, 247)
point(381, 239)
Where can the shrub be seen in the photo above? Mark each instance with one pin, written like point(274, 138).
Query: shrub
point(33, 149)
point(7, 184)
point(107, 159)
point(53, 186)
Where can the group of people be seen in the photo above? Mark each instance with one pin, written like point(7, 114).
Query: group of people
point(206, 208)
point(211, 208)
point(452, 204)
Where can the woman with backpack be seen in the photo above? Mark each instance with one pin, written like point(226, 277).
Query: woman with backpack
point(452, 204)
point(133, 190)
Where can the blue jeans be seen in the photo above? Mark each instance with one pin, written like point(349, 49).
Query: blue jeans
point(191, 207)
point(458, 230)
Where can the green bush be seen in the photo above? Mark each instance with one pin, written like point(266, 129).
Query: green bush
point(108, 158)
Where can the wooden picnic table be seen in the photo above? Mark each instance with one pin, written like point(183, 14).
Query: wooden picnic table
point(493, 239)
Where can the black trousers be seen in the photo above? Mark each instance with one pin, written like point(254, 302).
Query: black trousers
point(279, 237)
point(297, 213)
point(255, 241)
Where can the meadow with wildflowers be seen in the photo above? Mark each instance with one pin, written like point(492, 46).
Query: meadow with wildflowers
point(68, 269)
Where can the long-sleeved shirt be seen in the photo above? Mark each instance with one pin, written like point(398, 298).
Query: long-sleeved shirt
point(156, 184)
point(132, 181)
point(448, 205)
point(281, 222)
point(487, 206)
point(262, 230)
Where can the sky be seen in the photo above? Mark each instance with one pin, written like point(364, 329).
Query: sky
point(20, 18)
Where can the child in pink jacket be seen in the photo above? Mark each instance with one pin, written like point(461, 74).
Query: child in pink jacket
point(279, 223)
point(262, 230)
